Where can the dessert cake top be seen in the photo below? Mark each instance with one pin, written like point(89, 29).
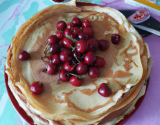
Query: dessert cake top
point(126, 64)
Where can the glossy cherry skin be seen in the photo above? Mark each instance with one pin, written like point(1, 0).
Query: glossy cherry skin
point(58, 0)
point(75, 81)
point(66, 56)
point(89, 58)
point(70, 26)
point(54, 48)
point(60, 35)
point(100, 62)
point(93, 72)
point(67, 32)
point(74, 36)
point(81, 68)
point(36, 87)
point(74, 61)
point(23, 55)
point(76, 30)
point(86, 23)
point(64, 76)
point(83, 36)
point(104, 90)
point(68, 67)
point(55, 59)
point(51, 68)
point(103, 44)
point(88, 31)
point(92, 44)
point(81, 46)
point(76, 21)
point(67, 43)
point(61, 25)
point(52, 39)
point(115, 38)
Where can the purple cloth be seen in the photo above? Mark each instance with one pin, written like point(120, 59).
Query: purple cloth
point(149, 111)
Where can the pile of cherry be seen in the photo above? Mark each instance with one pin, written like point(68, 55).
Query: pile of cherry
point(73, 47)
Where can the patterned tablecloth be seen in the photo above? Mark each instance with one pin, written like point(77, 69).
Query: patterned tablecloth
point(13, 13)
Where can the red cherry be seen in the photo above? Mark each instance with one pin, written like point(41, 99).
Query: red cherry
point(74, 61)
point(70, 26)
point(81, 46)
point(76, 30)
point(55, 59)
point(67, 32)
point(86, 23)
point(81, 68)
point(83, 36)
point(93, 72)
point(61, 25)
point(73, 36)
point(76, 21)
point(52, 39)
point(92, 44)
point(36, 87)
point(75, 81)
point(88, 31)
point(58, 0)
point(103, 44)
point(54, 48)
point(66, 56)
point(100, 62)
point(51, 68)
point(68, 67)
point(60, 35)
point(115, 38)
point(104, 90)
point(23, 55)
point(67, 43)
point(64, 76)
point(89, 58)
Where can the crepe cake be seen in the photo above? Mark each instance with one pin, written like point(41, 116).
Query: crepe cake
point(125, 70)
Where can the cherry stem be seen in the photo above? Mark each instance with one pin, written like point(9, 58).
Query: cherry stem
point(46, 50)
point(69, 37)
point(77, 59)
point(74, 66)
point(82, 57)
point(78, 76)
point(65, 17)
point(45, 59)
point(40, 83)
point(73, 48)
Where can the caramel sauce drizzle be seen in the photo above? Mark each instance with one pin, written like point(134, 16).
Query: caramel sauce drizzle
point(128, 62)
point(89, 91)
point(70, 104)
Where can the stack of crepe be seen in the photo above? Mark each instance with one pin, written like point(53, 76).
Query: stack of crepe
point(125, 71)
